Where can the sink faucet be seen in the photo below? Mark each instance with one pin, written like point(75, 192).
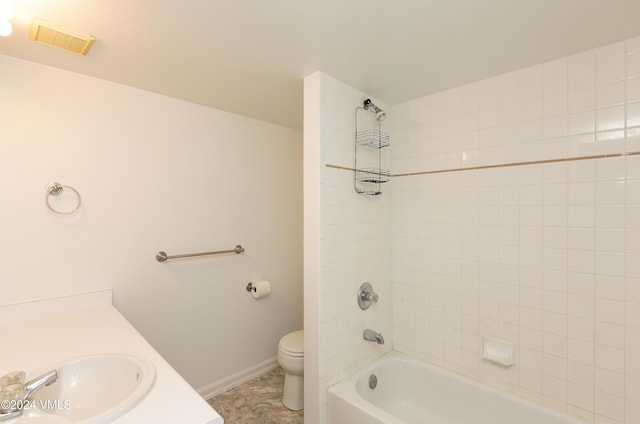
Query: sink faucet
point(32, 386)
point(372, 336)
point(14, 391)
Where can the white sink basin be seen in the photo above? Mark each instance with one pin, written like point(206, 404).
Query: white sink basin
point(95, 389)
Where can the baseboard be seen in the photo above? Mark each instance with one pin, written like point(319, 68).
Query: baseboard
point(227, 383)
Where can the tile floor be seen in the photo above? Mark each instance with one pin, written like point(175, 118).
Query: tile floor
point(258, 401)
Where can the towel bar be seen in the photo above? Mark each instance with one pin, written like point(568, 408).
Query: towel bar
point(162, 256)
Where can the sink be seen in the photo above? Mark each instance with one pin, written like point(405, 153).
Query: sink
point(95, 389)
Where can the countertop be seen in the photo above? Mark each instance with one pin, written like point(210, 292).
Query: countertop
point(41, 333)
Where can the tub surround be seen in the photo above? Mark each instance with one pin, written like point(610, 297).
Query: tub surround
point(516, 219)
point(347, 242)
point(512, 214)
point(40, 333)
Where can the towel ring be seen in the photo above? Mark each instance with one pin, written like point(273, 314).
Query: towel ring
point(55, 189)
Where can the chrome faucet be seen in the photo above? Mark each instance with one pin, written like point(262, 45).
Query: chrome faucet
point(32, 386)
point(372, 336)
point(14, 391)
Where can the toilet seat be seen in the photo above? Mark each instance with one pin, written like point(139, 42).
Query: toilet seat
point(292, 344)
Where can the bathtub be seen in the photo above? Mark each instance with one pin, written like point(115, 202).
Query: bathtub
point(409, 391)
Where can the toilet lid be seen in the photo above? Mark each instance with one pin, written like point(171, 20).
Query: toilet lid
point(293, 343)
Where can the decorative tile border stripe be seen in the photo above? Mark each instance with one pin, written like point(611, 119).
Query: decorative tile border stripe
point(343, 168)
point(503, 165)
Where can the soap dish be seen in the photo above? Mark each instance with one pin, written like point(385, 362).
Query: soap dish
point(498, 351)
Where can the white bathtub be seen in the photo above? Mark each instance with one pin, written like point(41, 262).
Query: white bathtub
point(409, 391)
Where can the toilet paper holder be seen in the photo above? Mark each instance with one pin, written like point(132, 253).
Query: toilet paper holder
point(259, 289)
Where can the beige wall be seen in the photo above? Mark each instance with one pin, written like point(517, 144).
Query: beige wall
point(155, 173)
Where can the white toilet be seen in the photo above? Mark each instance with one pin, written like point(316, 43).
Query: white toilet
point(291, 359)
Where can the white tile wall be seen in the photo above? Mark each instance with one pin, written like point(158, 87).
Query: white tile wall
point(545, 255)
point(355, 246)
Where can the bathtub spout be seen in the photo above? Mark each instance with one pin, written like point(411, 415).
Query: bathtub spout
point(372, 336)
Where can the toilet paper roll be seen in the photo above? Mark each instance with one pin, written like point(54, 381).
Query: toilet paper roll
point(261, 289)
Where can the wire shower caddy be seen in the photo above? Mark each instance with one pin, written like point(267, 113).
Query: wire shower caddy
point(368, 180)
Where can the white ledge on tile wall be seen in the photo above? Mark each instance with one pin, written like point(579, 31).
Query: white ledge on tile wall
point(498, 351)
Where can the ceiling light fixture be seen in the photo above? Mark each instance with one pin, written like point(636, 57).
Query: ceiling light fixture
point(6, 13)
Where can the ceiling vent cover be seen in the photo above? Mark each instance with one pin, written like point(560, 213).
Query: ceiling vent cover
point(57, 36)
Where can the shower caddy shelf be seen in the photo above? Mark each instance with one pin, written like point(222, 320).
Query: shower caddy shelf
point(373, 176)
point(370, 138)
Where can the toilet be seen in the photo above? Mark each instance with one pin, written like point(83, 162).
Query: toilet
point(291, 359)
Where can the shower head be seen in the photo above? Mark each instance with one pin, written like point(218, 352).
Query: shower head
point(368, 105)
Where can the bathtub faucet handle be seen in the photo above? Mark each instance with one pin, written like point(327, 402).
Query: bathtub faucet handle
point(366, 296)
point(373, 296)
